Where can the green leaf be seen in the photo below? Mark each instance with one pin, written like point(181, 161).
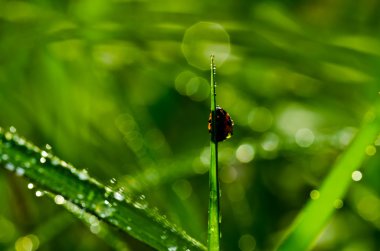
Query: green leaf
point(311, 220)
point(69, 185)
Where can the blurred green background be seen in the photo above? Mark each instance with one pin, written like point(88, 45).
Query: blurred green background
point(121, 88)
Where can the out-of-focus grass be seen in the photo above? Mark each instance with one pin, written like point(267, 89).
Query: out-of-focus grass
point(325, 201)
point(107, 84)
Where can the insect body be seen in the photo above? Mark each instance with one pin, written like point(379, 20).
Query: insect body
point(223, 124)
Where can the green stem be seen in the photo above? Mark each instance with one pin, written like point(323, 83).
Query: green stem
point(213, 212)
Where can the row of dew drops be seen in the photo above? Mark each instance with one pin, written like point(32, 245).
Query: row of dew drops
point(13, 161)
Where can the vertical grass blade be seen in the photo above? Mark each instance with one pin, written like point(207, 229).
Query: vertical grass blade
point(311, 220)
point(68, 185)
point(213, 211)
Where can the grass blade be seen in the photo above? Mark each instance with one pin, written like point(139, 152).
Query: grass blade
point(310, 222)
point(61, 179)
point(213, 211)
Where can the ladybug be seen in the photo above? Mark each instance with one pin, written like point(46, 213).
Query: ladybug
point(224, 124)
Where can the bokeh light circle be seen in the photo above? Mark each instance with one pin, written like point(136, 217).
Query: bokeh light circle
point(245, 153)
point(247, 242)
point(189, 84)
point(204, 39)
point(356, 175)
point(304, 137)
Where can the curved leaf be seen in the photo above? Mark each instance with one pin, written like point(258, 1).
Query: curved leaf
point(67, 183)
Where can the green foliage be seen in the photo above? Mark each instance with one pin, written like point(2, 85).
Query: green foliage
point(64, 182)
point(316, 213)
point(119, 88)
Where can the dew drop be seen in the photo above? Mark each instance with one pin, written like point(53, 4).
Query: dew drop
point(113, 181)
point(370, 150)
point(63, 163)
point(338, 203)
point(12, 129)
point(314, 194)
point(95, 228)
point(93, 220)
point(83, 175)
point(118, 196)
point(173, 248)
point(108, 191)
point(59, 199)
point(104, 209)
point(129, 228)
point(30, 186)
point(39, 193)
point(42, 160)
point(55, 161)
point(48, 147)
point(44, 154)
point(356, 175)
point(141, 203)
point(155, 211)
point(164, 236)
point(21, 141)
point(8, 135)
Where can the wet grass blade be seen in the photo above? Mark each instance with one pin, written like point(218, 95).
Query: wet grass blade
point(213, 211)
point(311, 220)
point(68, 184)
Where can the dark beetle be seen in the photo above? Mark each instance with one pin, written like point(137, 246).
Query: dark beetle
point(224, 124)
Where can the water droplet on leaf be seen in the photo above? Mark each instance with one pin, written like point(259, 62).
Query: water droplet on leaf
point(83, 175)
point(104, 209)
point(39, 194)
point(118, 196)
point(59, 199)
point(12, 129)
